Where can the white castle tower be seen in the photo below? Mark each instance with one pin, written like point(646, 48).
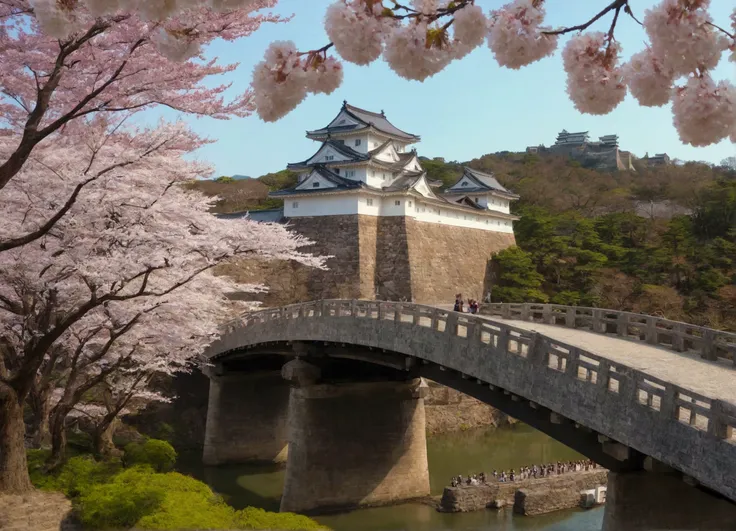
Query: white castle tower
point(364, 167)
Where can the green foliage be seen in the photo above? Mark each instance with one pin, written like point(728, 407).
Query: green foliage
point(279, 180)
point(165, 432)
point(160, 455)
point(76, 477)
point(253, 518)
point(142, 498)
point(224, 179)
point(518, 280)
point(122, 502)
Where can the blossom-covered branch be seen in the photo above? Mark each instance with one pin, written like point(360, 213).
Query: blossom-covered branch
point(684, 43)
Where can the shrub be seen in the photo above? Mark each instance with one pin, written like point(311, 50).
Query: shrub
point(75, 478)
point(158, 454)
point(224, 179)
point(253, 518)
point(142, 498)
point(121, 502)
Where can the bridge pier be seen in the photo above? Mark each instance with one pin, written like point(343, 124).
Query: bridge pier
point(641, 501)
point(247, 418)
point(353, 444)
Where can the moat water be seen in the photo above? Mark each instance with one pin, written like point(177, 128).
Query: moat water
point(449, 454)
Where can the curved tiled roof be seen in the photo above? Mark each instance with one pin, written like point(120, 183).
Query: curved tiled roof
point(366, 119)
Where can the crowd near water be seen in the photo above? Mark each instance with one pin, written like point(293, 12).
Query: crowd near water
point(525, 472)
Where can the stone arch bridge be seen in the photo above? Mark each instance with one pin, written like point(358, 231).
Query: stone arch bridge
point(652, 400)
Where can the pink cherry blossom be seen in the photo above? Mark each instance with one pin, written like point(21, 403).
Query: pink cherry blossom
point(649, 81)
point(357, 29)
point(109, 64)
point(470, 27)
point(409, 56)
point(594, 77)
point(279, 81)
point(515, 35)
point(704, 113)
point(680, 35)
point(177, 47)
point(324, 77)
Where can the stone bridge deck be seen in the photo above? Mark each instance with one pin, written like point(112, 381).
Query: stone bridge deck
point(711, 378)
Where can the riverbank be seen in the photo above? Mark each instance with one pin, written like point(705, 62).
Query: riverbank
point(528, 496)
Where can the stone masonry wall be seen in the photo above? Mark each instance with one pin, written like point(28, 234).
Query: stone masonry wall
point(393, 264)
point(337, 236)
point(398, 258)
point(447, 260)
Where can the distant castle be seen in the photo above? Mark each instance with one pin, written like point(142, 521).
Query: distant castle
point(603, 154)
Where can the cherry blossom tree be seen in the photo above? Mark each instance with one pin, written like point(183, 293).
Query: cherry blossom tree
point(121, 286)
point(90, 62)
point(422, 37)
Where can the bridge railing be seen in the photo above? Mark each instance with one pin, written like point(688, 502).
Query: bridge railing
point(711, 416)
point(710, 344)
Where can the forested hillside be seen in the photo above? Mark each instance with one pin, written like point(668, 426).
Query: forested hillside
point(659, 240)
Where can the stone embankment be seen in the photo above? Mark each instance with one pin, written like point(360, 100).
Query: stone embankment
point(528, 496)
point(36, 511)
point(448, 410)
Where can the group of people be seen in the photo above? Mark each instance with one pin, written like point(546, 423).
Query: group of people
point(473, 304)
point(526, 472)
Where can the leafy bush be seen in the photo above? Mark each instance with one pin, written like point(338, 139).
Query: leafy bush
point(142, 498)
point(75, 478)
point(121, 502)
point(158, 454)
point(224, 179)
point(253, 518)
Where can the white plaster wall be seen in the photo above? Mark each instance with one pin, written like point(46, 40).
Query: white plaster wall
point(350, 142)
point(320, 206)
point(379, 178)
point(386, 206)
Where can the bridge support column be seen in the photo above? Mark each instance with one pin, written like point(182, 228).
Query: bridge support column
point(247, 418)
point(355, 444)
point(642, 501)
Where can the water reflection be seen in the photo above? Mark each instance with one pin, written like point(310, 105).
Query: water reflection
point(450, 454)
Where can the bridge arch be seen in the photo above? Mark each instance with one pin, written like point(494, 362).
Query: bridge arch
point(608, 411)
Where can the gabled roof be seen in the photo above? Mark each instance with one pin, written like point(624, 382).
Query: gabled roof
point(483, 182)
point(365, 119)
point(340, 183)
point(350, 153)
point(466, 201)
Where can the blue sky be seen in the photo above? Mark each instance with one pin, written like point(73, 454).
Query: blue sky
point(472, 108)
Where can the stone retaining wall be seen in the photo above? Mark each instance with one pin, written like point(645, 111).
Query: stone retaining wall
point(541, 495)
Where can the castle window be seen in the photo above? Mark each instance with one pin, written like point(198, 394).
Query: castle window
point(477, 199)
point(295, 204)
point(409, 203)
point(337, 171)
point(357, 142)
point(373, 173)
point(397, 203)
point(465, 183)
point(350, 173)
point(315, 185)
point(329, 157)
point(369, 202)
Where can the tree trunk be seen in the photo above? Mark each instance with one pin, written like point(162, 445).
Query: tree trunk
point(102, 438)
point(40, 403)
point(13, 465)
point(58, 437)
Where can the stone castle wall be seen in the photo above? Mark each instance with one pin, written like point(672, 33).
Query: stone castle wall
point(447, 260)
point(397, 258)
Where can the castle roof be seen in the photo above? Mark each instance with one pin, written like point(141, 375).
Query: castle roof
point(474, 181)
point(352, 119)
point(334, 182)
point(341, 155)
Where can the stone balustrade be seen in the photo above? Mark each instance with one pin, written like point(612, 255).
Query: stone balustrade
point(619, 401)
point(710, 344)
